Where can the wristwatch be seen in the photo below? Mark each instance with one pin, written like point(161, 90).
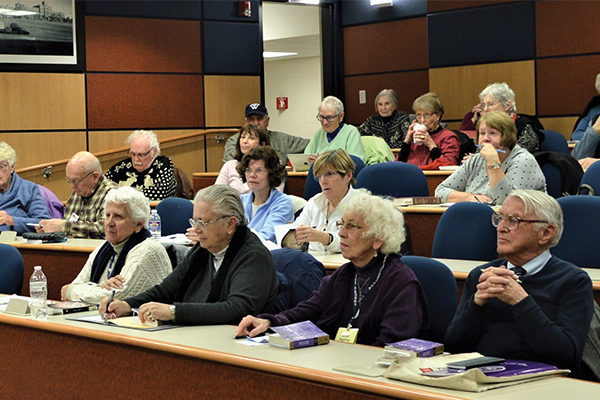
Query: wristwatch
point(330, 239)
point(172, 309)
point(494, 165)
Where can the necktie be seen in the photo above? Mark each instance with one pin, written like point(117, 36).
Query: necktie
point(520, 271)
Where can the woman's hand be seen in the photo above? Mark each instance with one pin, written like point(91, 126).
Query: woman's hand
point(411, 131)
point(466, 157)
point(489, 153)
point(63, 292)
point(307, 234)
point(477, 110)
point(116, 282)
point(154, 312)
point(252, 326)
point(6, 219)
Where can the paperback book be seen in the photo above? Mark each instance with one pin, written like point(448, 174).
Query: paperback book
point(300, 334)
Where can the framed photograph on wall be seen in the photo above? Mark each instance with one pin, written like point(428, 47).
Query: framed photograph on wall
point(39, 34)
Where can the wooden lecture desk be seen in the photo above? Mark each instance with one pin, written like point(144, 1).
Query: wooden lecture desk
point(422, 221)
point(296, 180)
point(61, 262)
point(68, 359)
point(460, 269)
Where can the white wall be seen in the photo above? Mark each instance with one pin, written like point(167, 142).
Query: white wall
point(300, 80)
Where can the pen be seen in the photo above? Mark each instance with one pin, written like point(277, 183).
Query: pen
point(110, 299)
point(483, 270)
point(479, 201)
point(498, 150)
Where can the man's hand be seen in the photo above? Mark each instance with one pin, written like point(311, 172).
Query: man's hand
point(500, 283)
point(50, 225)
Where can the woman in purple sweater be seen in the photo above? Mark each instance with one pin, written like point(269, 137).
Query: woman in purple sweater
point(375, 292)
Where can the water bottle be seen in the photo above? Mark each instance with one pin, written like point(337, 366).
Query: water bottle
point(154, 225)
point(38, 291)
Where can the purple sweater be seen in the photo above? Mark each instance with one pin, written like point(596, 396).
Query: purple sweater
point(393, 310)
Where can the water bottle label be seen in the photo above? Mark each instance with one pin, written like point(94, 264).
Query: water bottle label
point(37, 286)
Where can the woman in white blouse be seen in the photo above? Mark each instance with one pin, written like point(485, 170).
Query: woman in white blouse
point(335, 171)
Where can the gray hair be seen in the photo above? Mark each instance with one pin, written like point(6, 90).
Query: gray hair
point(332, 103)
point(501, 92)
point(225, 201)
point(8, 153)
point(135, 202)
point(544, 207)
point(598, 83)
point(389, 93)
point(89, 162)
point(385, 222)
point(150, 135)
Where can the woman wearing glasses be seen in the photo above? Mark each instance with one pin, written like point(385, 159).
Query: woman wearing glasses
point(501, 167)
point(334, 133)
point(500, 97)
point(374, 292)
point(427, 144)
point(226, 275)
point(129, 261)
point(317, 223)
point(265, 206)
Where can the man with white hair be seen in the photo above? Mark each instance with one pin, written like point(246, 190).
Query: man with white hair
point(84, 214)
point(145, 169)
point(528, 305)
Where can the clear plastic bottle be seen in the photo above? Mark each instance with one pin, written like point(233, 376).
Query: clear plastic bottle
point(154, 225)
point(38, 291)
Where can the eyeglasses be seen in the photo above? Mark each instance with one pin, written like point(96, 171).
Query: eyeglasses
point(326, 175)
point(350, 226)
point(139, 155)
point(4, 166)
point(426, 115)
point(489, 104)
point(257, 171)
point(199, 224)
point(511, 221)
point(76, 182)
point(329, 118)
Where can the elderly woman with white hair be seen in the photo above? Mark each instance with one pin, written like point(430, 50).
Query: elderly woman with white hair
point(226, 275)
point(145, 169)
point(20, 200)
point(334, 133)
point(374, 292)
point(129, 261)
point(500, 97)
point(389, 123)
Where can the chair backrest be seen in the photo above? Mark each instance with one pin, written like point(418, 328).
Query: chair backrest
point(312, 187)
point(580, 234)
point(465, 232)
point(300, 275)
point(562, 172)
point(175, 213)
point(553, 179)
point(592, 177)
point(554, 141)
point(439, 285)
point(394, 179)
point(11, 270)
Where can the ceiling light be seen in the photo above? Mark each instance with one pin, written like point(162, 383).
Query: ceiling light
point(314, 2)
point(382, 3)
point(275, 54)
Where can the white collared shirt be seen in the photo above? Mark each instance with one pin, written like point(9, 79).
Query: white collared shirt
point(534, 265)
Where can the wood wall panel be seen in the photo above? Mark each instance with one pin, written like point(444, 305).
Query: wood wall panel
point(386, 47)
point(563, 125)
point(143, 45)
point(566, 84)
point(567, 27)
point(133, 101)
point(227, 97)
point(408, 85)
point(42, 101)
point(35, 148)
point(459, 87)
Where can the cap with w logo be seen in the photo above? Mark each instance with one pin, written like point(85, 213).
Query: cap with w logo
point(256, 108)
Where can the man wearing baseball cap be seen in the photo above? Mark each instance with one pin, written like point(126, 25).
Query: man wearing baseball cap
point(283, 143)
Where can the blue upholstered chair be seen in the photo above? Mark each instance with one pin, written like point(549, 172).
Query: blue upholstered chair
point(175, 213)
point(581, 234)
point(300, 275)
point(553, 179)
point(554, 141)
point(465, 232)
point(394, 179)
point(591, 177)
point(439, 285)
point(11, 270)
point(312, 187)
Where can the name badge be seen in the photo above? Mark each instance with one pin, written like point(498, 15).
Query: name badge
point(74, 217)
point(346, 335)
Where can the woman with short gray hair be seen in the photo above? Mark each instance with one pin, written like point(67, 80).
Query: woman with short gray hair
point(129, 262)
point(374, 292)
point(389, 123)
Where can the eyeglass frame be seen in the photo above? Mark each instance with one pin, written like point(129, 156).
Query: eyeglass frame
point(5, 166)
point(426, 115)
point(139, 155)
point(201, 225)
point(489, 104)
point(249, 170)
point(498, 217)
point(327, 175)
point(348, 225)
point(327, 118)
point(76, 184)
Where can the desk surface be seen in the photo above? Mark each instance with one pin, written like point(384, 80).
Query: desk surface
point(307, 366)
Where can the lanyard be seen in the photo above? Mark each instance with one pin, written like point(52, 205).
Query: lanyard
point(110, 266)
point(359, 297)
